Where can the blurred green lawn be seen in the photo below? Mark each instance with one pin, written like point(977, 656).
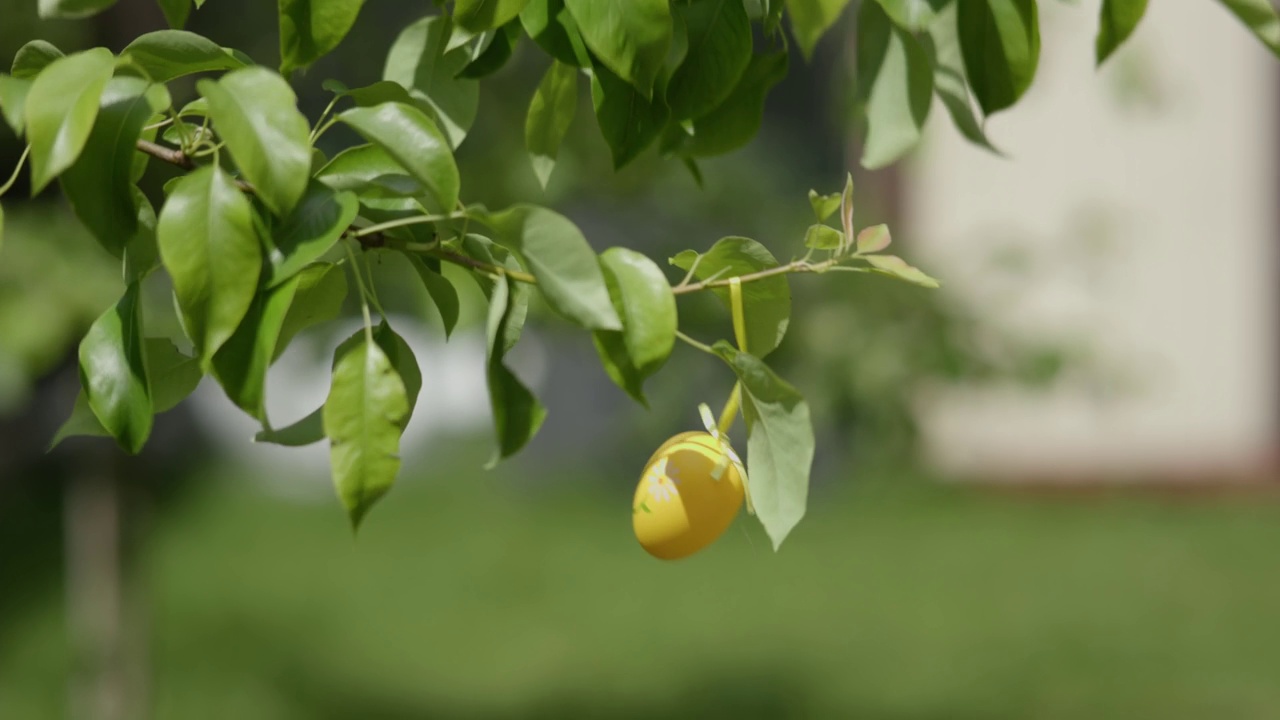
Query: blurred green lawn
point(478, 597)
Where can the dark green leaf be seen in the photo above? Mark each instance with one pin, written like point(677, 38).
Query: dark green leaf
point(517, 414)
point(60, 110)
point(895, 87)
point(1116, 23)
point(363, 416)
point(779, 443)
point(415, 142)
point(1000, 42)
point(766, 303)
point(172, 375)
point(558, 255)
point(255, 113)
point(735, 121)
point(308, 232)
point(13, 101)
point(306, 431)
point(176, 12)
point(822, 237)
point(495, 54)
point(240, 365)
point(419, 61)
point(810, 19)
point(141, 255)
point(100, 183)
point(1258, 15)
point(630, 37)
point(442, 293)
point(551, 26)
point(321, 290)
point(70, 9)
point(550, 114)
point(210, 247)
point(719, 37)
point(480, 15)
point(642, 298)
point(34, 57)
point(400, 355)
point(113, 373)
point(310, 29)
point(942, 43)
point(628, 121)
point(169, 54)
point(81, 423)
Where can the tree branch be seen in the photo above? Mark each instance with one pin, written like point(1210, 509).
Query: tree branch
point(799, 266)
point(176, 157)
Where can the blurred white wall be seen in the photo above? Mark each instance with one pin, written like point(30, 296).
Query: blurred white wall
point(1139, 201)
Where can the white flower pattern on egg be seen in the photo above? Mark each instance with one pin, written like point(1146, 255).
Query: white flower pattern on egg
point(662, 486)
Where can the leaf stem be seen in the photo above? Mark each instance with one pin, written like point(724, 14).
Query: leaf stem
point(16, 171)
point(404, 222)
point(798, 266)
point(364, 293)
point(730, 411)
point(694, 343)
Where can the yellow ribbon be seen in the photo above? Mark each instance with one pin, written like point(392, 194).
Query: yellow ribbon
point(720, 430)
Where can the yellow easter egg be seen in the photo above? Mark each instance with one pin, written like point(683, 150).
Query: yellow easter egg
point(679, 506)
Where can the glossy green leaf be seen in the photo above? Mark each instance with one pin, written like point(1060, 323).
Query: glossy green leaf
point(420, 62)
point(479, 15)
point(485, 250)
point(823, 237)
point(374, 176)
point(415, 142)
point(942, 44)
point(321, 290)
point(551, 26)
point(169, 54)
point(643, 299)
point(896, 267)
point(240, 365)
point(60, 110)
point(1000, 42)
point(400, 355)
point(256, 114)
point(141, 254)
point(766, 303)
point(100, 183)
point(1116, 23)
point(824, 206)
point(517, 414)
point(310, 29)
point(561, 259)
point(719, 50)
point(34, 57)
point(210, 247)
point(307, 233)
point(172, 375)
point(13, 101)
point(810, 19)
point(363, 416)
point(550, 115)
point(71, 9)
point(176, 12)
point(895, 87)
point(441, 291)
point(495, 53)
point(630, 37)
point(780, 443)
point(628, 121)
point(1258, 15)
point(737, 120)
point(113, 373)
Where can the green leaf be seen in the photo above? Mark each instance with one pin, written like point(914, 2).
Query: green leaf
point(735, 121)
point(480, 15)
point(551, 26)
point(779, 443)
point(628, 121)
point(495, 54)
point(1116, 23)
point(550, 115)
point(256, 114)
point(942, 44)
point(1000, 42)
point(719, 51)
point(141, 255)
point(210, 247)
point(113, 373)
point(483, 249)
point(558, 255)
point(400, 355)
point(517, 414)
point(34, 57)
point(176, 12)
point(363, 416)
point(766, 303)
point(1, 226)
point(306, 431)
point(13, 101)
point(71, 9)
point(896, 267)
point(630, 37)
point(643, 299)
point(913, 15)
point(874, 239)
point(895, 86)
point(240, 365)
point(100, 183)
point(172, 375)
point(824, 206)
point(413, 141)
point(420, 63)
point(169, 54)
point(310, 29)
point(823, 237)
point(810, 19)
point(308, 232)
point(376, 179)
point(81, 423)
point(322, 288)
point(442, 293)
point(60, 110)
point(1258, 15)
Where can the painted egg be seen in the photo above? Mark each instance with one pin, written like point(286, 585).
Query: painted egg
point(680, 507)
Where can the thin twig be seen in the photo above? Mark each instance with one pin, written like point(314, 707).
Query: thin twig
point(176, 157)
